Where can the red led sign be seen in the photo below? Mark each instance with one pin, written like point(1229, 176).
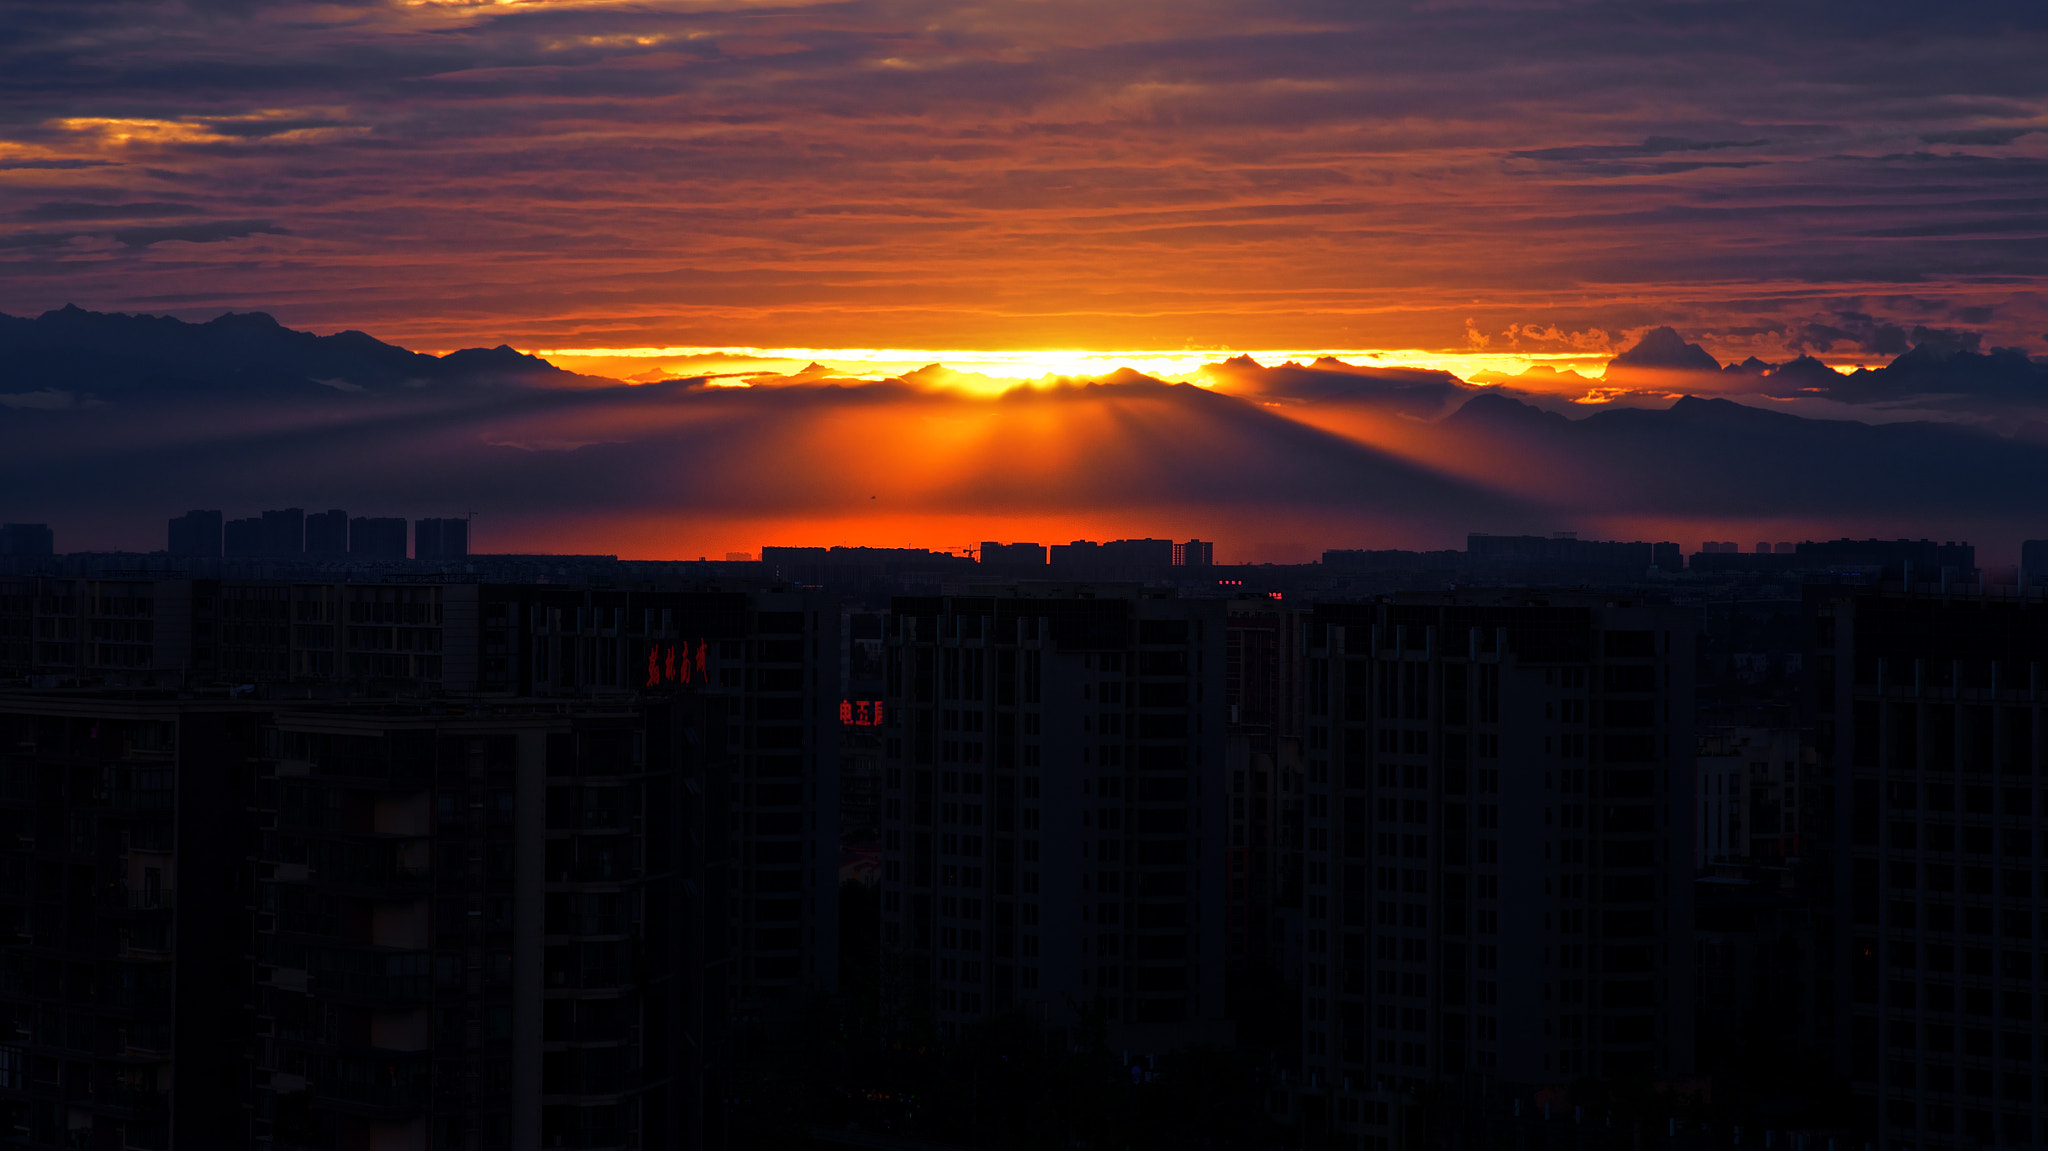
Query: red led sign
point(861, 712)
point(677, 662)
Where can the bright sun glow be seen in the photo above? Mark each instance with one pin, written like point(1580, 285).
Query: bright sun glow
point(1004, 368)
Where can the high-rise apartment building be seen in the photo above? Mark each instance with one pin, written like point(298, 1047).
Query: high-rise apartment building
point(196, 535)
point(440, 539)
point(1026, 558)
point(339, 926)
point(1263, 697)
point(279, 534)
point(496, 929)
point(1498, 866)
point(1054, 807)
point(123, 913)
point(771, 655)
point(1928, 714)
point(327, 533)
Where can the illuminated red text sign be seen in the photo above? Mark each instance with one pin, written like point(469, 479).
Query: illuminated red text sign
point(677, 662)
point(861, 712)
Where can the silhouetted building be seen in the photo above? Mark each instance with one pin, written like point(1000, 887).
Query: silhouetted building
point(27, 540)
point(124, 889)
point(274, 535)
point(2033, 562)
point(284, 532)
point(863, 712)
point(327, 533)
point(773, 655)
point(1117, 559)
point(376, 538)
point(1147, 553)
point(1054, 808)
point(1262, 684)
point(1498, 861)
point(1564, 550)
point(1437, 563)
point(1194, 554)
point(1914, 561)
point(361, 925)
point(498, 929)
point(440, 539)
point(1760, 970)
point(196, 535)
point(1023, 556)
point(1928, 709)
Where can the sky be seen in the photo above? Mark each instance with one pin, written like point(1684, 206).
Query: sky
point(1541, 178)
point(1038, 189)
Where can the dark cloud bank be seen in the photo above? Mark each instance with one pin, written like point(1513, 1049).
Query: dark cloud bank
point(117, 421)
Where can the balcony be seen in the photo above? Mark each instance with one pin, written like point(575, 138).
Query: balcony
point(385, 976)
point(377, 1090)
point(153, 802)
point(374, 875)
point(121, 897)
point(135, 1100)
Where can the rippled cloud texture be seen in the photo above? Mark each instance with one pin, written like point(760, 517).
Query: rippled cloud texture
point(1771, 177)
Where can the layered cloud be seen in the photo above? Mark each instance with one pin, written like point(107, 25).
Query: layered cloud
point(931, 174)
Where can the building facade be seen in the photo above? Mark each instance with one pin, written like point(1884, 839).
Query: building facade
point(1928, 713)
point(1749, 781)
point(1263, 678)
point(124, 913)
point(1054, 808)
point(368, 925)
point(1498, 859)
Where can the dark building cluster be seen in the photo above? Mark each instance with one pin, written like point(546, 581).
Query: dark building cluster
point(292, 533)
point(532, 854)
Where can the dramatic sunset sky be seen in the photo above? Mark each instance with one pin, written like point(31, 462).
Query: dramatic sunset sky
point(664, 188)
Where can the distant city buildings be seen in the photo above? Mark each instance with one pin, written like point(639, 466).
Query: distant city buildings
point(440, 539)
point(196, 535)
point(327, 534)
point(290, 534)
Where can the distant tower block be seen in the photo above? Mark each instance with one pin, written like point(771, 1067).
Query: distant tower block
point(327, 533)
point(440, 539)
point(196, 535)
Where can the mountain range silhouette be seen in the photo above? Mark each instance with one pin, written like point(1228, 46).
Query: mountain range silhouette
point(122, 420)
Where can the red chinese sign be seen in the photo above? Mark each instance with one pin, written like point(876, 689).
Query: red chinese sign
point(861, 712)
point(677, 662)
